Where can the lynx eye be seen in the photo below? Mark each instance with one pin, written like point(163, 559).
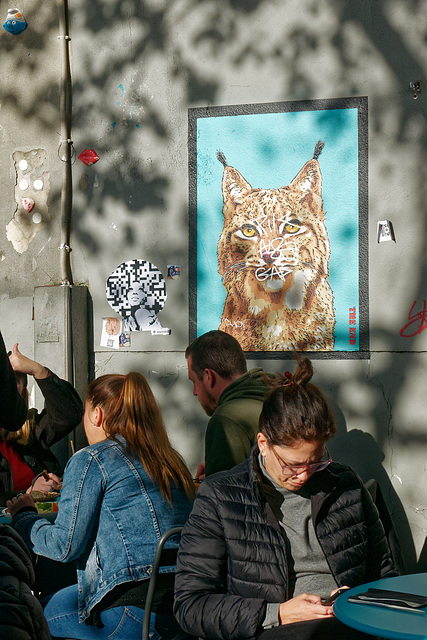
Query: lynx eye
point(247, 231)
point(291, 228)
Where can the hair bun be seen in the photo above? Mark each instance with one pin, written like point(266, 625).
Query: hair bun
point(302, 375)
point(304, 371)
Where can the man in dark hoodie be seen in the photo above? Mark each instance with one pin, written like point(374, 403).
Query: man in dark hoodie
point(230, 394)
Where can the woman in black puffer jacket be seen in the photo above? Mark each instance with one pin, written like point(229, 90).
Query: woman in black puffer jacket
point(270, 538)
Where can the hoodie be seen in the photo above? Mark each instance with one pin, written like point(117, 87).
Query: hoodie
point(233, 426)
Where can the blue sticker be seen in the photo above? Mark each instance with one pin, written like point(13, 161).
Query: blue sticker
point(15, 22)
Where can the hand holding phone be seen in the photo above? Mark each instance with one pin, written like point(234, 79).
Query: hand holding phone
point(330, 599)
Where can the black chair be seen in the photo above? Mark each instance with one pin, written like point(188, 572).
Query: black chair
point(163, 557)
point(159, 583)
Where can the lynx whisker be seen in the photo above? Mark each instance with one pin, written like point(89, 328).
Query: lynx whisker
point(236, 266)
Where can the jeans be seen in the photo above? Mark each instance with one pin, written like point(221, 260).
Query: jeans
point(120, 623)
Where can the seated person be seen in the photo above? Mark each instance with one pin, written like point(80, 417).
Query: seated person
point(119, 495)
point(26, 453)
point(231, 396)
point(268, 539)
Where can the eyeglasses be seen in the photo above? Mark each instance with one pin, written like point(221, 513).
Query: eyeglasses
point(296, 470)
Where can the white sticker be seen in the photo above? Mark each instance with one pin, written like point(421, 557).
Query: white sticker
point(385, 231)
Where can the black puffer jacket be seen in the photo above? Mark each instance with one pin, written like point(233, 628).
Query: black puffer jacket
point(21, 615)
point(232, 559)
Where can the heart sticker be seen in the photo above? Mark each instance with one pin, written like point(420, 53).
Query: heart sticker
point(28, 204)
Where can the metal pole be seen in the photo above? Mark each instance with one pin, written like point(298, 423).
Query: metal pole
point(66, 144)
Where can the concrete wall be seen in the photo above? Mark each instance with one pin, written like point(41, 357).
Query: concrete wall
point(136, 69)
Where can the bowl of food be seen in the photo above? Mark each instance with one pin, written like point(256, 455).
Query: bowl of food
point(46, 507)
point(43, 508)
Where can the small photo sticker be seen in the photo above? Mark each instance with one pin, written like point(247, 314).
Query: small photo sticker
point(174, 271)
point(111, 332)
point(124, 340)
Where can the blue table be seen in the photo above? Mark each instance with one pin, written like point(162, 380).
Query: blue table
point(379, 621)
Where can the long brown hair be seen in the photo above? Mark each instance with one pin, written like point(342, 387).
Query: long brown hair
point(130, 410)
point(295, 409)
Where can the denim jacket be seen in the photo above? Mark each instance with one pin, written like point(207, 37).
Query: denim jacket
point(110, 518)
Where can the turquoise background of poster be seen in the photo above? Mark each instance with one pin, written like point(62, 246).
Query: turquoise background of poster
point(269, 149)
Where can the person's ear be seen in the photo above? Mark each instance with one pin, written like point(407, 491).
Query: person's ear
point(262, 443)
point(209, 379)
point(98, 416)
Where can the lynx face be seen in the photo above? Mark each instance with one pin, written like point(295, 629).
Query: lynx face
point(273, 256)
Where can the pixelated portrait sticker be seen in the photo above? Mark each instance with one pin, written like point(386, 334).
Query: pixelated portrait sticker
point(137, 291)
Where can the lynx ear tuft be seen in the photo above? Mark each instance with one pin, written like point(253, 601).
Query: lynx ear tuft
point(317, 149)
point(221, 158)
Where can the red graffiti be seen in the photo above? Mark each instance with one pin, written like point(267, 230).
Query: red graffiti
point(352, 330)
point(418, 322)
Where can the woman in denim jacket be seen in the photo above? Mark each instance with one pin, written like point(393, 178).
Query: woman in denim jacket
point(119, 495)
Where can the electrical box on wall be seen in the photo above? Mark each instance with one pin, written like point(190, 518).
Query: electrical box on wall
point(61, 344)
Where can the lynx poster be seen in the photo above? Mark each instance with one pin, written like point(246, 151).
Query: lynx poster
point(278, 226)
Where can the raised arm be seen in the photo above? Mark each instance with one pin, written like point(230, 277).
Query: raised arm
point(63, 407)
point(23, 364)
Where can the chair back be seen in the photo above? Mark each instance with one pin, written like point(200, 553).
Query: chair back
point(163, 557)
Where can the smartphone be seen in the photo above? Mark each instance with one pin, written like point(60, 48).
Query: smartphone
point(331, 599)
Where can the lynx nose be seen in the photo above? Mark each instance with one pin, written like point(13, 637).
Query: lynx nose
point(270, 256)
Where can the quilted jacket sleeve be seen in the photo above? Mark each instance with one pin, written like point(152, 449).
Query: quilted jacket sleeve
point(203, 606)
point(380, 563)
